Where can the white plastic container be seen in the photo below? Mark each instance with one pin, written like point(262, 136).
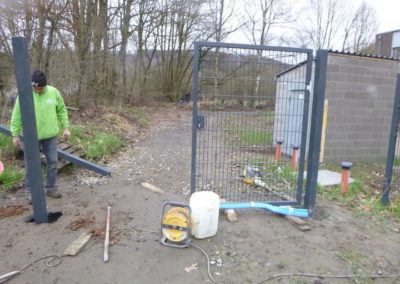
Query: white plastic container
point(205, 213)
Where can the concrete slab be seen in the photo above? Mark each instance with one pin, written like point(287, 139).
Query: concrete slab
point(328, 178)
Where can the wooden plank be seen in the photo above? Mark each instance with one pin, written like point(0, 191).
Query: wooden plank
point(151, 187)
point(62, 163)
point(70, 149)
point(64, 146)
point(298, 223)
point(78, 244)
point(296, 220)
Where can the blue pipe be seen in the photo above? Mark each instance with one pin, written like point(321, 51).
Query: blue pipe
point(298, 212)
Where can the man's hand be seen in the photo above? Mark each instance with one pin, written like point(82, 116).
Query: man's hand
point(66, 133)
point(17, 141)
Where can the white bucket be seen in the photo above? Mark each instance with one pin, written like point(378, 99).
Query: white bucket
point(205, 213)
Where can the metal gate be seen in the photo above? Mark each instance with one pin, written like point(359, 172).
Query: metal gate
point(391, 184)
point(251, 108)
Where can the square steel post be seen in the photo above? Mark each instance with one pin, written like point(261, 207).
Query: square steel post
point(31, 144)
point(195, 98)
point(316, 129)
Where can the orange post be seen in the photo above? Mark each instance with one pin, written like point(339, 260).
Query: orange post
point(344, 189)
point(295, 150)
point(278, 150)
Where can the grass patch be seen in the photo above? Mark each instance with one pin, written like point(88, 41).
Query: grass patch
point(95, 144)
point(140, 115)
point(351, 257)
point(6, 144)
point(10, 177)
point(333, 193)
point(103, 144)
point(254, 137)
point(364, 193)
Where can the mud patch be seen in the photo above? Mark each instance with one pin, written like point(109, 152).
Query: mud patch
point(12, 210)
point(81, 222)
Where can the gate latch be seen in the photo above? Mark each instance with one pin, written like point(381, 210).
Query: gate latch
point(200, 122)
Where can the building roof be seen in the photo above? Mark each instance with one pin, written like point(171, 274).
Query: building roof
point(363, 55)
point(346, 53)
point(389, 32)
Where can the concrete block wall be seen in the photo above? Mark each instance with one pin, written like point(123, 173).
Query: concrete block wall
point(360, 94)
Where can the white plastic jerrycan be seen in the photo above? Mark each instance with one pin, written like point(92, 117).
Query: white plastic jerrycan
point(205, 213)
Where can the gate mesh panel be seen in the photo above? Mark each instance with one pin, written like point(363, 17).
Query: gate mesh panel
point(395, 180)
point(251, 109)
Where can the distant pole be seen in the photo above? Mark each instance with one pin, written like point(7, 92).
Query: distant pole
point(31, 144)
point(345, 178)
point(295, 150)
point(278, 150)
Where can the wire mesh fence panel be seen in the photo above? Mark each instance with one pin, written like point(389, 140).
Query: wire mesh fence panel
point(251, 109)
point(395, 185)
point(391, 184)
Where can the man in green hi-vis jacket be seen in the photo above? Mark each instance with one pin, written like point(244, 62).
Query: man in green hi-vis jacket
point(49, 110)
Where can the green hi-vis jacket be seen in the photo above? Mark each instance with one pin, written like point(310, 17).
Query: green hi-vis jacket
point(49, 110)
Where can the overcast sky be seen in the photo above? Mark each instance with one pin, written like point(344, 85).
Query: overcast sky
point(388, 12)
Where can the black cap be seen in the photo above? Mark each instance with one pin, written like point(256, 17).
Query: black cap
point(39, 79)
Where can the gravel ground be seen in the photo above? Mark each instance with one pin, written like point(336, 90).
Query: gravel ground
point(257, 247)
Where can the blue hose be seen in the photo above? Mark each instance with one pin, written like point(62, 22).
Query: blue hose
point(298, 212)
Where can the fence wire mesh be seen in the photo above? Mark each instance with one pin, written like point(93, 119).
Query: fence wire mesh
point(391, 184)
point(252, 113)
point(395, 184)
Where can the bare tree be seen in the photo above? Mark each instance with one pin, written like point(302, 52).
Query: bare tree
point(360, 30)
point(264, 15)
point(320, 22)
point(221, 14)
point(84, 44)
point(125, 29)
point(81, 27)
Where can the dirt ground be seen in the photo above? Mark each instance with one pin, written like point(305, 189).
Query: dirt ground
point(254, 249)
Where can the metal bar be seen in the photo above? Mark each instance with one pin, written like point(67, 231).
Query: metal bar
point(392, 144)
point(195, 90)
point(249, 46)
point(22, 73)
point(5, 130)
point(316, 129)
point(69, 157)
point(83, 163)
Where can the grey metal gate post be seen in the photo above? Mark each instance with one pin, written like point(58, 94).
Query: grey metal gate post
point(31, 150)
point(195, 86)
point(316, 129)
point(305, 124)
point(392, 144)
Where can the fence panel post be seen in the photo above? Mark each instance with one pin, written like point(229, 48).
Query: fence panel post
point(316, 129)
